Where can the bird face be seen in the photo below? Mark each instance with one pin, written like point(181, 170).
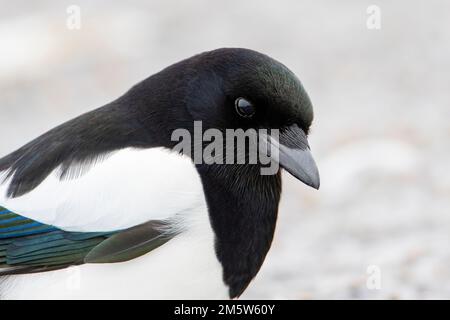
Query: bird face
point(243, 89)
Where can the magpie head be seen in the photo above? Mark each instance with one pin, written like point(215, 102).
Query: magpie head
point(244, 89)
point(235, 88)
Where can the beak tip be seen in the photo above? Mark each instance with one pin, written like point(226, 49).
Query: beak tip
point(301, 165)
point(314, 182)
point(311, 180)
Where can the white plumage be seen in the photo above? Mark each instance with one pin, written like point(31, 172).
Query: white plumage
point(127, 188)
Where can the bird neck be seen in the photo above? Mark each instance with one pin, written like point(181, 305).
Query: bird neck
point(243, 207)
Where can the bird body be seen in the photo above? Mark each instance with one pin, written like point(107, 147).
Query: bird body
point(104, 207)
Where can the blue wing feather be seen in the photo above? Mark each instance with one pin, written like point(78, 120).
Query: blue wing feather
point(25, 242)
point(28, 246)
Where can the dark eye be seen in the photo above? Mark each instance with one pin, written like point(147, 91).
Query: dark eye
point(244, 108)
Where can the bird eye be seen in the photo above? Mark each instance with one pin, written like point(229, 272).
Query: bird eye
point(244, 108)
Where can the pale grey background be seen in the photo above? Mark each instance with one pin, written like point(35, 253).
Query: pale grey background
point(381, 135)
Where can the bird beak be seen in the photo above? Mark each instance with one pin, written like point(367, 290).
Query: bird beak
point(294, 155)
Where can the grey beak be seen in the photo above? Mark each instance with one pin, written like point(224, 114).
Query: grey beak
point(300, 163)
point(295, 156)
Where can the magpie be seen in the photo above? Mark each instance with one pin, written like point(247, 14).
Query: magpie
point(102, 207)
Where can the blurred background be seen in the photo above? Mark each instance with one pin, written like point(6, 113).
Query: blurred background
point(379, 228)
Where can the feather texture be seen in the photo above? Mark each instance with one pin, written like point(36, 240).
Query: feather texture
point(129, 187)
point(29, 246)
